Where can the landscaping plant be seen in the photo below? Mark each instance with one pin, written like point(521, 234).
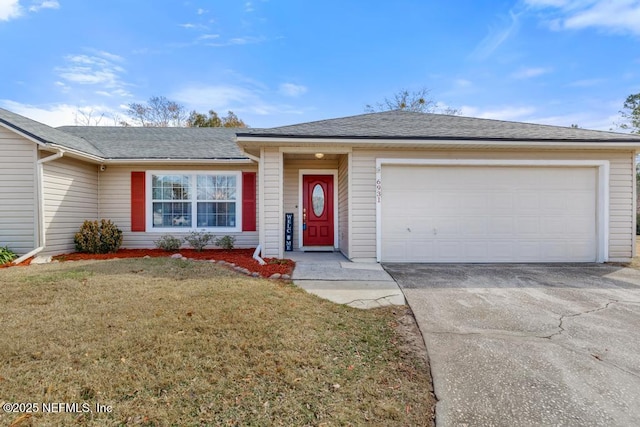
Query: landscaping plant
point(226, 242)
point(199, 239)
point(168, 243)
point(6, 255)
point(98, 237)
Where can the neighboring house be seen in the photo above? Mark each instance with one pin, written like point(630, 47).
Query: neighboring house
point(392, 186)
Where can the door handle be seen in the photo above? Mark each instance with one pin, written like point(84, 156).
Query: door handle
point(304, 219)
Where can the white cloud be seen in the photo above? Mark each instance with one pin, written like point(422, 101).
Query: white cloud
point(61, 114)
point(527, 73)
point(46, 4)
point(461, 83)
point(222, 98)
point(611, 15)
point(98, 70)
point(192, 26)
point(292, 90)
point(504, 113)
point(9, 9)
point(248, 7)
point(586, 82)
point(545, 3)
point(216, 97)
point(497, 36)
point(209, 36)
point(602, 117)
point(201, 11)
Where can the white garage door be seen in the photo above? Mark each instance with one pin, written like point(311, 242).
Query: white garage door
point(488, 214)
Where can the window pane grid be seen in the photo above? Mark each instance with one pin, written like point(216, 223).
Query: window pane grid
point(216, 214)
point(214, 201)
point(177, 214)
point(216, 187)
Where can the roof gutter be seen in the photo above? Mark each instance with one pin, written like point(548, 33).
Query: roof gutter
point(42, 236)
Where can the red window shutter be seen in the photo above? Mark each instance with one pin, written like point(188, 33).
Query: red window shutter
point(138, 201)
point(248, 201)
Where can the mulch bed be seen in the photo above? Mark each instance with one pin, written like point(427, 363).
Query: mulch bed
point(240, 257)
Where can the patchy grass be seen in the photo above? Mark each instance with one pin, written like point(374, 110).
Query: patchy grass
point(175, 342)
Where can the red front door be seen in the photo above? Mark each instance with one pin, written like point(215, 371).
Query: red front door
point(317, 210)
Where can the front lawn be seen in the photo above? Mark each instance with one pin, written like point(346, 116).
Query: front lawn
point(175, 342)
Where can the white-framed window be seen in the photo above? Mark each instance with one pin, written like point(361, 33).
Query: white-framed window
point(194, 200)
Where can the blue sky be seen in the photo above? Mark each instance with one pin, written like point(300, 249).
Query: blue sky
point(277, 62)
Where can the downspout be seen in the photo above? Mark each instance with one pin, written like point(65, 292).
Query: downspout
point(42, 237)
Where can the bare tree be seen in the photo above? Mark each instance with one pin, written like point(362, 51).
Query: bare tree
point(631, 114)
point(87, 117)
point(418, 101)
point(158, 111)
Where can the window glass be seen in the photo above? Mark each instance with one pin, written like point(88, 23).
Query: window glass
point(178, 199)
point(317, 200)
point(220, 214)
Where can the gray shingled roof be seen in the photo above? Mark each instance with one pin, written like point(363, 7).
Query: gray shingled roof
point(409, 125)
point(160, 143)
point(46, 134)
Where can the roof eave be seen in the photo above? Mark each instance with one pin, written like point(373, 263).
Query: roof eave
point(246, 141)
point(211, 161)
point(28, 135)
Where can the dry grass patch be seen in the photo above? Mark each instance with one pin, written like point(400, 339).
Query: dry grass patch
point(174, 342)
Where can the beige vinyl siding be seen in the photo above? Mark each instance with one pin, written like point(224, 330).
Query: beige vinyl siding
point(71, 197)
point(18, 219)
point(343, 204)
point(115, 203)
point(621, 209)
point(291, 193)
point(272, 186)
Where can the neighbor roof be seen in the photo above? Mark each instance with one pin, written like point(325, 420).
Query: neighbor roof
point(160, 143)
point(410, 125)
point(46, 134)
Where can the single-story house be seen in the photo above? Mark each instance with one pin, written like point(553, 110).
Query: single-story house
point(387, 187)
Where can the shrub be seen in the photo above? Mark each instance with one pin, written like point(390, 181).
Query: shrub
point(7, 255)
point(168, 243)
point(638, 224)
point(98, 237)
point(198, 240)
point(226, 242)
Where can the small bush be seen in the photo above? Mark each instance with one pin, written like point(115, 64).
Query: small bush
point(168, 243)
point(199, 239)
point(98, 237)
point(226, 242)
point(638, 224)
point(6, 255)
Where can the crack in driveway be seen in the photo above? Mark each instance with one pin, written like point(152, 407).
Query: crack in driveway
point(595, 310)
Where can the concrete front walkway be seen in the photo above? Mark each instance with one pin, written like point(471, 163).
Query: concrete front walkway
point(331, 276)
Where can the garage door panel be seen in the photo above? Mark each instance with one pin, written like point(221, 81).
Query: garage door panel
point(500, 225)
point(488, 214)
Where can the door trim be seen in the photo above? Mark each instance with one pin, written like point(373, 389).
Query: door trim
point(334, 172)
point(602, 200)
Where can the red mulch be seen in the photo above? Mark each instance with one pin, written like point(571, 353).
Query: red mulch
point(22, 264)
point(239, 257)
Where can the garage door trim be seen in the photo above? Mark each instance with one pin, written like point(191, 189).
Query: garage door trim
point(602, 214)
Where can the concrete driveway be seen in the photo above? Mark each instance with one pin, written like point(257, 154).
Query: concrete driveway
point(522, 345)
